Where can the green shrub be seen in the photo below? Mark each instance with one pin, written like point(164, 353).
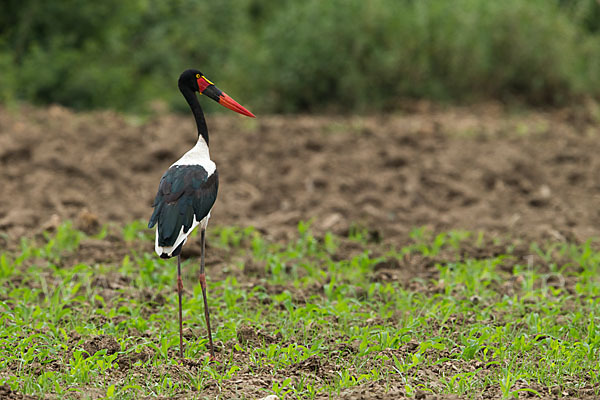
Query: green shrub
point(368, 55)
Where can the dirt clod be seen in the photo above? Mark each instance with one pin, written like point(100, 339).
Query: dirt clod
point(101, 342)
point(88, 222)
point(6, 393)
point(246, 335)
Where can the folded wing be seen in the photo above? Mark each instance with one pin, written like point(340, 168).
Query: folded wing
point(186, 194)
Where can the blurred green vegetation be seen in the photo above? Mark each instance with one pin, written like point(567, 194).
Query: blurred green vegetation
point(300, 56)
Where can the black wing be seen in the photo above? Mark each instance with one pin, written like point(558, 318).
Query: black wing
point(184, 191)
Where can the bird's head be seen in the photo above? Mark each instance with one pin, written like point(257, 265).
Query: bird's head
point(197, 82)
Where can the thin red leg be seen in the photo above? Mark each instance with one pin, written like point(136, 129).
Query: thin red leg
point(179, 292)
point(202, 278)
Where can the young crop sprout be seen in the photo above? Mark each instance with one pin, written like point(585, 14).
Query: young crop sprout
point(188, 190)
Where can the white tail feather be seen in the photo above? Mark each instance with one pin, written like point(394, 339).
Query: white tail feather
point(181, 238)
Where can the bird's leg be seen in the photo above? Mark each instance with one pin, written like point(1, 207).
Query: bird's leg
point(202, 278)
point(179, 291)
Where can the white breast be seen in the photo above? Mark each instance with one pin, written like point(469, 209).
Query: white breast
point(198, 155)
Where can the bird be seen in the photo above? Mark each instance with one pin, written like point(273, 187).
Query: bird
point(188, 190)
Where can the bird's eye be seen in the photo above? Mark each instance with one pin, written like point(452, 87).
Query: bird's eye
point(198, 76)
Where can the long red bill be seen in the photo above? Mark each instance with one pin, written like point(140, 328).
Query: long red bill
point(233, 105)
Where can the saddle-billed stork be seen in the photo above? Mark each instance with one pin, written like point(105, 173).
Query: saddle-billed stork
point(188, 190)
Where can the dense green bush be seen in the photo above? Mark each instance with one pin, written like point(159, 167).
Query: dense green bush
point(110, 53)
point(310, 55)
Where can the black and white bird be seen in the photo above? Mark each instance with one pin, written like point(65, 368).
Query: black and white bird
point(188, 190)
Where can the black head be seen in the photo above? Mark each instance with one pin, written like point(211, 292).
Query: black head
point(189, 79)
point(194, 80)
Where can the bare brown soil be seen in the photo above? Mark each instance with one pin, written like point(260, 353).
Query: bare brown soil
point(530, 176)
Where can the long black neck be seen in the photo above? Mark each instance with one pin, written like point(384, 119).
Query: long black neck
point(192, 100)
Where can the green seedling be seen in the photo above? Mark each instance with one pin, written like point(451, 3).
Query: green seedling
point(319, 321)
